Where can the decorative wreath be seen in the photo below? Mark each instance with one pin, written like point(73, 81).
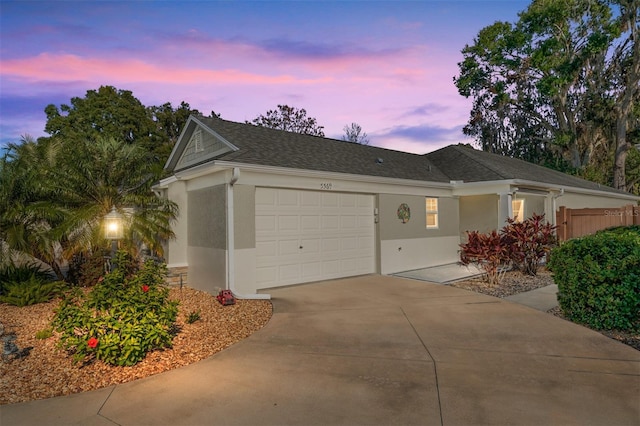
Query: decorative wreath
point(404, 213)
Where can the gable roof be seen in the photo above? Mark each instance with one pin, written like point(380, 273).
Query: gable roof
point(258, 145)
point(464, 163)
point(229, 141)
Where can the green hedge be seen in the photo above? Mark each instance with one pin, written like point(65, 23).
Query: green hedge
point(598, 278)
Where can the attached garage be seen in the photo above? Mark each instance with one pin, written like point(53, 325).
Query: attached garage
point(304, 236)
point(263, 208)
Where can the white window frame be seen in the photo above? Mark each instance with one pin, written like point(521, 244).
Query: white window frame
point(431, 212)
point(517, 209)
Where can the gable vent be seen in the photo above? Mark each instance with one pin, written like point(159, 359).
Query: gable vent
point(197, 141)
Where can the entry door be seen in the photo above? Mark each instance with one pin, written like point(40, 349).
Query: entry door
point(304, 236)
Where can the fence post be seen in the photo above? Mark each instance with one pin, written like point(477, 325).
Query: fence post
point(562, 223)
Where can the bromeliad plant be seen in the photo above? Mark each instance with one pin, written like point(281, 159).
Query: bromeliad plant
point(121, 319)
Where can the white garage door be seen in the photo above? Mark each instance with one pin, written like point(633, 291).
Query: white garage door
point(304, 236)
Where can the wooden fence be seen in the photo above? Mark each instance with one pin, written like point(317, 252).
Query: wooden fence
point(573, 223)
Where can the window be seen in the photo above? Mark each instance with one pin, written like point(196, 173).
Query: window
point(432, 212)
point(518, 210)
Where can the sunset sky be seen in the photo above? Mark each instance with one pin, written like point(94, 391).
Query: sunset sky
point(386, 65)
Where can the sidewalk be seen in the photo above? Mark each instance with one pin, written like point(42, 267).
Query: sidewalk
point(542, 299)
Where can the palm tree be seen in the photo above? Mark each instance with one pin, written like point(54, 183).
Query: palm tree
point(28, 220)
point(72, 187)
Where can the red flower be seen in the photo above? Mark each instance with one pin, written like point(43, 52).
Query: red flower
point(145, 288)
point(92, 343)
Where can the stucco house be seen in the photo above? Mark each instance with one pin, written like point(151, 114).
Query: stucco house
point(262, 208)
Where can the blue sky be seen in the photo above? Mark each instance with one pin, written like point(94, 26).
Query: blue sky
point(386, 65)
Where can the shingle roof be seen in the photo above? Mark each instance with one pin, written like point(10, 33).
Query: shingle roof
point(270, 147)
point(464, 163)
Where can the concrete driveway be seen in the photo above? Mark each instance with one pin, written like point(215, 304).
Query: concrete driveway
point(377, 350)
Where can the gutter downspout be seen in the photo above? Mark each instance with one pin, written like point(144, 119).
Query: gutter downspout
point(231, 264)
point(554, 206)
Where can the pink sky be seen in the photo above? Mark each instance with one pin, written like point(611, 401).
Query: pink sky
point(388, 66)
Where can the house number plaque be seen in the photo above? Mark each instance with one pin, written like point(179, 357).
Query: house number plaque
point(326, 185)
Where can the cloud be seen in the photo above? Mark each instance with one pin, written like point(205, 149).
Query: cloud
point(66, 67)
point(418, 139)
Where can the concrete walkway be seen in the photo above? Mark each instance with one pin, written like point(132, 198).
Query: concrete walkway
point(377, 350)
point(542, 299)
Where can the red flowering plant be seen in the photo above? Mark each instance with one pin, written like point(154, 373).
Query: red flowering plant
point(116, 322)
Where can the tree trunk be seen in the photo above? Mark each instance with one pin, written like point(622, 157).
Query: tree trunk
point(622, 150)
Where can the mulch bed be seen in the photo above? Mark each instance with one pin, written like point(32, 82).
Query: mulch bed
point(48, 371)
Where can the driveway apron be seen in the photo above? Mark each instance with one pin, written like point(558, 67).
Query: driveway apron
point(378, 350)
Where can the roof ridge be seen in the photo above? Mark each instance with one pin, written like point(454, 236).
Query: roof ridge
point(481, 161)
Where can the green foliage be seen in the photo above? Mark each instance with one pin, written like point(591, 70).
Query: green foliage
point(121, 319)
point(21, 273)
point(598, 278)
point(86, 267)
point(552, 87)
point(193, 317)
point(31, 291)
point(529, 242)
point(45, 333)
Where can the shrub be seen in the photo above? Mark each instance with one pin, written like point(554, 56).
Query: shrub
point(22, 273)
point(31, 291)
point(487, 251)
point(529, 242)
point(598, 278)
point(121, 319)
point(85, 268)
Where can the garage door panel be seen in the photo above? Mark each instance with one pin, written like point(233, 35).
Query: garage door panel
point(266, 223)
point(288, 247)
point(289, 272)
point(288, 198)
point(310, 223)
point(330, 222)
point(348, 222)
point(311, 270)
point(330, 200)
point(347, 200)
point(266, 249)
point(310, 199)
point(287, 223)
point(307, 236)
point(266, 197)
point(266, 276)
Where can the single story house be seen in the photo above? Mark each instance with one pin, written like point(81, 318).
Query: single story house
point(262, 208)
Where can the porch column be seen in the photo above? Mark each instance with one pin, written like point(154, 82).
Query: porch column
point(505, 209)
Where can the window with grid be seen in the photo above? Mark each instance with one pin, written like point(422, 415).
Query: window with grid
point(432, 212)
